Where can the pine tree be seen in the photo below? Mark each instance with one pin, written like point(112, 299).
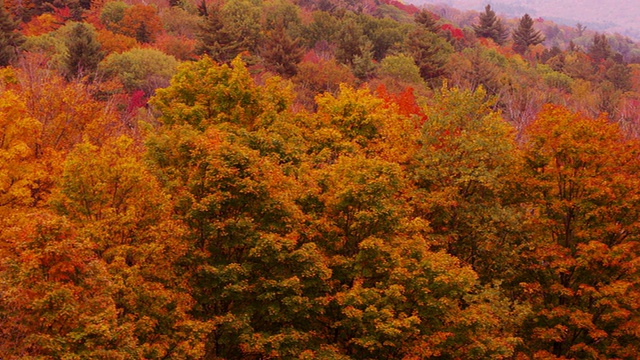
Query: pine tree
point(202, 9)
point(427, 20)
point(430, 52)
point(143, 35)
point(83, 51)
point(229, 30)
point(281, 53)
point(214, 40)
point(10, 39)
point(491, 27)
point(363, 65)
point(600, 50)
point(525, 35)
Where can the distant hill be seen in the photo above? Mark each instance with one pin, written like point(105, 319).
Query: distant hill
point(613, 16)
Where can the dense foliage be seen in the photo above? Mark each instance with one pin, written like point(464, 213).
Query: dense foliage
point(316, 180)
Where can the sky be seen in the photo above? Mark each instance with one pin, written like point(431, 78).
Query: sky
point(621, 16)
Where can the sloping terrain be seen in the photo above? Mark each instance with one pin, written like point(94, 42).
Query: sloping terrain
point(613, 16)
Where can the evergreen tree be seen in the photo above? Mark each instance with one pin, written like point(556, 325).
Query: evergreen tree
point(202, 9)
point(10, 39)
point(363, 65)
point(525, 35)
point(214, 41)
point(491, 27)
point(229, 30)
point(83, 51)
point(600, 50)
point(427, 20)
point(143, 35)
point(430, 53)
point(349, 40)
point(281, 53)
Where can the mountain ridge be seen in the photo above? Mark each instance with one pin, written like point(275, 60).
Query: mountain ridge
point(604, 16)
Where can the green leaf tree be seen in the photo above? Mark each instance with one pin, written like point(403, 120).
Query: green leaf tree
point(140, 69)
point(463, 176)
point(427, 20)
point(600, 49)
point(219, 155)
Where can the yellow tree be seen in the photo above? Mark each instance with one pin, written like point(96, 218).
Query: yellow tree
point(118, 206)
point(393, 294)
point(19, 173)
point(56, 299)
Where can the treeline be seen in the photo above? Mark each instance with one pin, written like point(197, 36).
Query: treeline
point(127, 50)
point(441, 195)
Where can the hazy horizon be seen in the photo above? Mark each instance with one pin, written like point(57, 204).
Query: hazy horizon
point(613, 16)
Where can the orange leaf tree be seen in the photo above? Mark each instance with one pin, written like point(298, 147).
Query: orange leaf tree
point(582, 272)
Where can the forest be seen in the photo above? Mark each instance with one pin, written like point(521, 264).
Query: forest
point(315, 179)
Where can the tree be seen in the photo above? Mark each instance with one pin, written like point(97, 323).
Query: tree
point(462, 176)
point(323, 28)
point(427, 20)
point(43, 118)
point(230, 29)
point(140, 22)
point(318, 77)
point(56, 293)
point(219, 154)
point(474, 67)
point(281, 53)
point(385, 34)
point(83, 51)
point(18, 168)
point(386, 275)
point(430, 53)
point(10, 38)
point(491, 27)
point(600, 49)
point(116, 203)
point(115, 43)
point(580, 265)
point(140, 69)
point(349, 41)
point(363, 64)
point(203, 94)
point(620, 76)
point(112, 14)
point(400, 68)
point(40, 25)
point(525, 35)
point(282, 13)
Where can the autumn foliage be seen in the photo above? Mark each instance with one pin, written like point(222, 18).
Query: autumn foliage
point(405, 190)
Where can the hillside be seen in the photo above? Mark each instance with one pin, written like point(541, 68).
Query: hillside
point(314, 179)
point(612, 16)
